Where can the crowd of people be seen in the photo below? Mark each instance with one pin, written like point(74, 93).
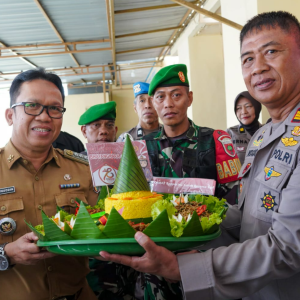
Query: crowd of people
point(255, 166)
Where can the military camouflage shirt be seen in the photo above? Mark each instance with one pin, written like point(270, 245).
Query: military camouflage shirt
point(172, 149)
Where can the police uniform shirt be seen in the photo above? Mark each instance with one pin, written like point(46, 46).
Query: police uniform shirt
point(264, 263)
point(24, 192)
point(137, 133)
point(240, 138)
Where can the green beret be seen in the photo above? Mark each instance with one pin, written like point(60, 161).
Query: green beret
point(173, 75)
point(105, 111)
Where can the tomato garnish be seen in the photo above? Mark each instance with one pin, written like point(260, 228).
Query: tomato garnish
point(201, 209)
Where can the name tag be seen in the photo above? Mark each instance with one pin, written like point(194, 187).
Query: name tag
point(7, 190)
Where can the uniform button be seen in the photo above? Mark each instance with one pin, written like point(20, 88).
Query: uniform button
point(37, 178)
point(72, 201)
point(50, 268)
point(40, 207)
point(25, 161)
point(3, 208)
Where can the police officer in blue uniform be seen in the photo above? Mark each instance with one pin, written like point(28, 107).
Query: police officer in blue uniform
point(148, 119)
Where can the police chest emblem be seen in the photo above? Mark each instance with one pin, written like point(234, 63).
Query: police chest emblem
point(296, 131)
point(259, 140)
point(288, 142)
point(227, 145)
point(268, 201)
point(137, 88)
point(181, 76)
point(270, 172)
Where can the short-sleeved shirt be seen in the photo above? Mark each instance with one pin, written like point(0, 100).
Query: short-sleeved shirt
point(137, 133)
point(35, 191)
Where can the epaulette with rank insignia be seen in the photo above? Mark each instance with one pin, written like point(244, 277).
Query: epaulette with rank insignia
point(76, 156)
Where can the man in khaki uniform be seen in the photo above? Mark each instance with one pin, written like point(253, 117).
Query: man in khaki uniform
point(31, 172)
point(264, 263)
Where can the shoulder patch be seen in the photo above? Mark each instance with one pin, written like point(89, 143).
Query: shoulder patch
point(227, 162)
point(76, 156)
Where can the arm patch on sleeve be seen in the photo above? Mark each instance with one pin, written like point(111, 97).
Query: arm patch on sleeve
point(227, 162)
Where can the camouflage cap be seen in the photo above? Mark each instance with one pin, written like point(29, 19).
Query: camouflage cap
point(173, 75)
point(105, 111)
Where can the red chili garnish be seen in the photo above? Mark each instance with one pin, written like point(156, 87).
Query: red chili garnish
point(77, 208)
point(102, 220)
point(200, 210)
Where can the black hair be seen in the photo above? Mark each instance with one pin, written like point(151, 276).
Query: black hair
point(285, 20)
point(31, 75)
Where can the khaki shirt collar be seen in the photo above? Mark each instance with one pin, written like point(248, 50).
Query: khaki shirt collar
point(13, 155)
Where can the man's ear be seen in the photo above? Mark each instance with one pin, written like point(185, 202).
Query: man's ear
point(116, 128)
point(134, 107)
point(83, 130)
point(190, 96)
point(9, 116)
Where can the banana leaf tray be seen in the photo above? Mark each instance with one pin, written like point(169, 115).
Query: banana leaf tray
point(126, 246)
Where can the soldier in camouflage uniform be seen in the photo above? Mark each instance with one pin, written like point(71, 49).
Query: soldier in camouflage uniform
point(183, 149)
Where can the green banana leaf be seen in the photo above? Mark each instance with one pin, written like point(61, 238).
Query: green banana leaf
point(37, 233)
point(141, 220)
point(67, 229)
point(85, 228)
point(193, 227)
point(160, 227)
point(52, 232)
point(79, 201)
point(103, 193)
point(117, 227)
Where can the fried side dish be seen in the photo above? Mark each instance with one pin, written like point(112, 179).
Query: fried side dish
point(139, 226)
point(186, 209)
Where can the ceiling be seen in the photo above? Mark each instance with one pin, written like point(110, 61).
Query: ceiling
point(88, 42)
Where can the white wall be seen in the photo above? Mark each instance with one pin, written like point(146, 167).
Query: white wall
point(76, 105)
point(5, 129)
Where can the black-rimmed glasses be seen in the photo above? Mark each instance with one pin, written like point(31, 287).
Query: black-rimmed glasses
point(35, 109)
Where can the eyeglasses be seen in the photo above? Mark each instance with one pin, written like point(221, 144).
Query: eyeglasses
point(35, 109)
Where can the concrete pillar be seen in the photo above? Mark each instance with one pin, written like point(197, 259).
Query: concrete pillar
point(207, 80)
point(238, 11)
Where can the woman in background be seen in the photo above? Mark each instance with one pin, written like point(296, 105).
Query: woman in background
point(247, 111)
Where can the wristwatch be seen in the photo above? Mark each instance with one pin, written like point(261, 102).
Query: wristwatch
point(4, 262)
